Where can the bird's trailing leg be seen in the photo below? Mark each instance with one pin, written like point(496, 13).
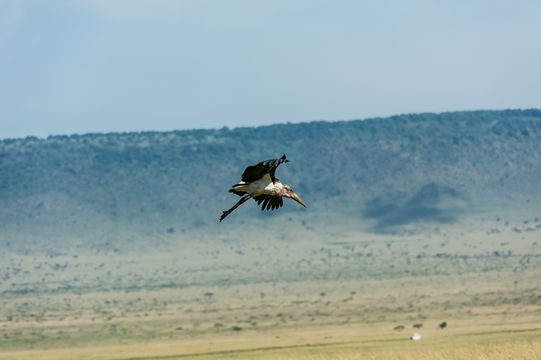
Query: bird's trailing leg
point(239, 203)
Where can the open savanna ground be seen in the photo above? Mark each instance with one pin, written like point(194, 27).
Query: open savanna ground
point(321, 296)
point(467, 339)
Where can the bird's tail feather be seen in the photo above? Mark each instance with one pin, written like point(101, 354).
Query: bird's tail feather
point(238, 189)
point(236, 192)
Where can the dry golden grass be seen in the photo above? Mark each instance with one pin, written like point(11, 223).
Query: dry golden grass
point(333, 343)
point(282, 300)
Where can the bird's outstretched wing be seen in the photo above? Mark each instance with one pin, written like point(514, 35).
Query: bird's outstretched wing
point(269, 202)
point(255, 172)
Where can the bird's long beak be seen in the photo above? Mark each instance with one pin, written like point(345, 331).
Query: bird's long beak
point(297, 199)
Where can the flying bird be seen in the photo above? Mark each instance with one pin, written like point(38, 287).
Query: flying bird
point(258, 182)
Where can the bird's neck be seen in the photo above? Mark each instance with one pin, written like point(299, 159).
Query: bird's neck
point(281, 190)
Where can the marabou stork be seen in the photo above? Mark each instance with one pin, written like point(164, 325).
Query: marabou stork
point(258, 182)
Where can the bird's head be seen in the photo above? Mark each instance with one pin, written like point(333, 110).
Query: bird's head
point(288, 192)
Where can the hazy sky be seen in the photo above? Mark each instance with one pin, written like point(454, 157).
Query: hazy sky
point(80, 66)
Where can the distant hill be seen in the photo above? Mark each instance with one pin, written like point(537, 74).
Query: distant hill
point(383, 173)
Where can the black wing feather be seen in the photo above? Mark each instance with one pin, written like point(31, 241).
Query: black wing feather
point(255, 172)
point(269, 202)
point(265, 203)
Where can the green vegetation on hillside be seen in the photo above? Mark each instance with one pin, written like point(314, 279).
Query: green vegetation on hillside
point(381, 172)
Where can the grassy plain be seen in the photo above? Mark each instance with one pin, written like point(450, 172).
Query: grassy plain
point(466, 341)
point(311, 294)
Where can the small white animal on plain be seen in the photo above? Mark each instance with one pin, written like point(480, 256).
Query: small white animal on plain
point(415, 336)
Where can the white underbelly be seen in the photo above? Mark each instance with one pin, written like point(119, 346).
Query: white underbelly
point(263, 186)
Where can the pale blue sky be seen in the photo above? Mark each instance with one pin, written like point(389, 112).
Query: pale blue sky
point(104, 65)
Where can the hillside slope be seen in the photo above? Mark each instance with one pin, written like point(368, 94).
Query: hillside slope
point(384, 173)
